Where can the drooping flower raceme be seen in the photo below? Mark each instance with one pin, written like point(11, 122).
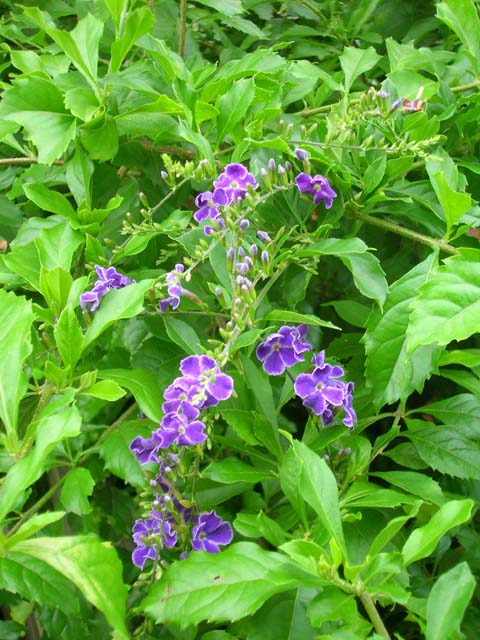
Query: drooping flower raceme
point(318, 187)
point(108, 278)
point(283, 349)
point(323, 392)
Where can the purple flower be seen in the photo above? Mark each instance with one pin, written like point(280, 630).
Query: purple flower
point(234, 181)
point(174, 288)
point(318, 187)
point(208, 203)
point(322, 391)
point(209, 532)
point(107, 279)
point(145, 449)
point(178, 429)
point(283, 349)
point(147, 534)
point(213, 385)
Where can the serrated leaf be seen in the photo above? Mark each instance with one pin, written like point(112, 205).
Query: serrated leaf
point(448, 600)
point(33, 579)
point(462, 18)
point(16, 317)
point(462, 411)
point(422, 542)
point(93, 566)
point(391, 374)
point(77, 487)
point(221, 587)
point(446, 448)
point(355, 61)
point(117, 304)
point(448, 305)
point(49, 431)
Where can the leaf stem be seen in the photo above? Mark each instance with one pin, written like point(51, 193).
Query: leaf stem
point(31, 160)
point(372, 612)
point(434, 243)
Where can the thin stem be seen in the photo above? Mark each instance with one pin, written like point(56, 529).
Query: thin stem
point(465, 87)
point(182, 28)
point(32, 160)
point(373, 614)
point(434, 243)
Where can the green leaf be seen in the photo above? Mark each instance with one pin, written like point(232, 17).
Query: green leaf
point(182, 334)
point(116, 9)
point(16, 317)
point(233, 105)
point(332, 604)
point(374, 173)
point(78, 486)
point(34, 580)
point(105, 390)
point(82, 103)
point(80, 44)
point(418, 484)
point(463, 409)
point(279, 315)
point(225, 7)
point(49, 431)
point(355, 61)
point(448, 600)
point(37, 105)
point(454, 203)
point(29, 528)
point(461, 17)
point(100, 138)
point(333, 247)
point(259, 384)
point(317, 486)
point(447, 449)
point(118, 458)
point(391, 374)
point(79, 171)
point(68, 337)
point(56, 246)
point(93, 566)
point(142, 384)
point(422, 542)
point(231, 470)
point(220, 587)
point(117, 304)
point(368, 275)
point(138, 23)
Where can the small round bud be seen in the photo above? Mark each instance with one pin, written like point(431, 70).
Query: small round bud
point(218, 292)
point(244, 224)
point(264, 257)
point(271, 164)
point(253, 250)
point(301, 154)
point(164, 175)
point(263, 235)
point(241, 252)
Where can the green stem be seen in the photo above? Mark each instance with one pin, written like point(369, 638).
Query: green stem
point(465, 87)
point(31, 160)
point(182, 28)
point(434, 243)
point(373, 614)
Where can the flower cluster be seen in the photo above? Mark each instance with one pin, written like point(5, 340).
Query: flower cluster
point(108, 278)
point(232, 185)
point(201, 385)
point(321, 390)
point(174, 288)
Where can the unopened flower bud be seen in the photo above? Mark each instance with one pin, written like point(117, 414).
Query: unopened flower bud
point(231, 255)
point(253, 250)
point(263, 235)
point(281, 170)
point(241, 252)
point(218, 292)
point(288, 165)
point(244, 224)
point(301, 154)
point(264, 257)
point(271, 164)
point(263, 172)
point(164, 175)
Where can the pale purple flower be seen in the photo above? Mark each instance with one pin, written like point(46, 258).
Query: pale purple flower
point(283, 349)
point(209, 532)
point(147, 534)
point(146, 449)
point(235, 181)
point(318, 187)
point(108, 278)
point(208, 203)
point(214, 386)
point(174, 288)
point(323, 392)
